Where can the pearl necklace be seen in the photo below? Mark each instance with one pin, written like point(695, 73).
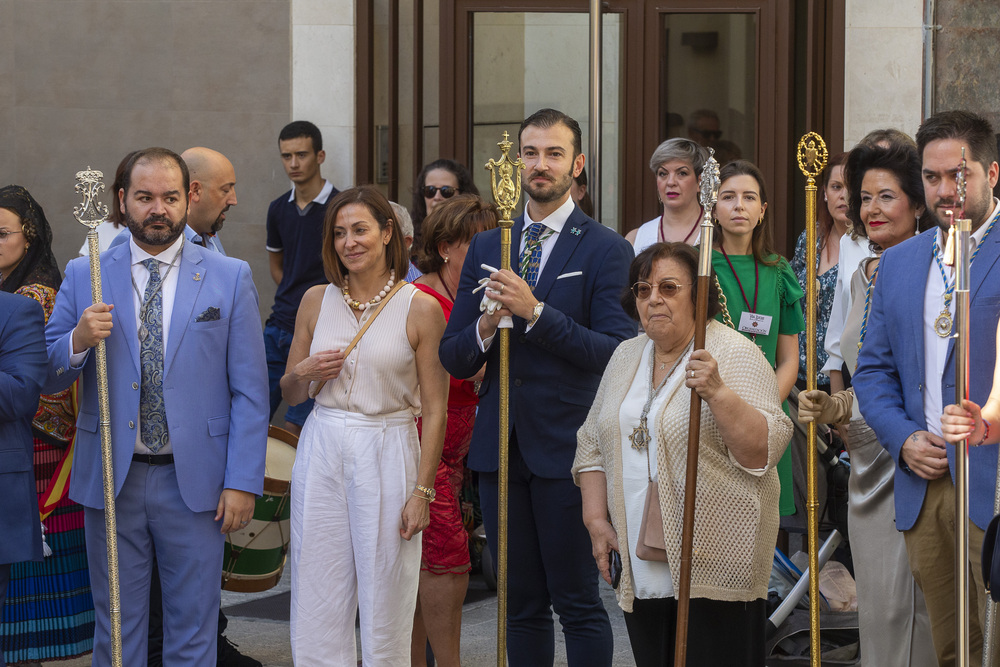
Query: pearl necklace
point(357, 305)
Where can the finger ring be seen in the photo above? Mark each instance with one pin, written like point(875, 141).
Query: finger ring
point(501, 287)
point(244, 523)
point(691, 374)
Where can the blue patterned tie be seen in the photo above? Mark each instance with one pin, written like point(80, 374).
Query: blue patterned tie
point(531, 257)
point(152, 412)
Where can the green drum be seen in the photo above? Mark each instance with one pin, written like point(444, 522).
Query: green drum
point(254, 556)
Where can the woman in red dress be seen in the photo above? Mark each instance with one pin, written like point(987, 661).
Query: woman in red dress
point(444, 569)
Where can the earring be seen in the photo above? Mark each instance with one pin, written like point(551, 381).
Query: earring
point(446, 259)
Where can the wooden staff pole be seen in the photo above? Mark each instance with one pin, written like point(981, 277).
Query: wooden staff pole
point(812, 157)
point(505, 179)
point(92, 213)
point(708, 196)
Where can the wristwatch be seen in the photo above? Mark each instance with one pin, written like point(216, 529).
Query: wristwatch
point(536, 313)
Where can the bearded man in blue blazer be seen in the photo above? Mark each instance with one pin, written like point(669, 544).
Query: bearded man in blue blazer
point(567, 321)
point(187, 383)
point(22, 370)
point(906, 369)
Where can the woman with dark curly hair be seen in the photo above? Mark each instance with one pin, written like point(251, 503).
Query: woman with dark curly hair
point(886, 204)
point(437, 182)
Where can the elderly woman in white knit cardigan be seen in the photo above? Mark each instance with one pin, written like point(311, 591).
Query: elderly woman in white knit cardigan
point(637, 431)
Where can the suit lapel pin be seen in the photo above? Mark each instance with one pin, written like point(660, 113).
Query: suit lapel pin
point(197, 277)
point(575, 231)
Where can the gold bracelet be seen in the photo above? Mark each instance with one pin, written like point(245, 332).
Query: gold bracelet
point(417, 495)
point(431, 494)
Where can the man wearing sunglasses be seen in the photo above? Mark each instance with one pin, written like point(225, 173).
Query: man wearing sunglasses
point(563, 297)
point(294, 243)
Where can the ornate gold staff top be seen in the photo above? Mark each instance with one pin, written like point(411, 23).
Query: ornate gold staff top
point(506, 185)
point(812, 157)
point(92, 212)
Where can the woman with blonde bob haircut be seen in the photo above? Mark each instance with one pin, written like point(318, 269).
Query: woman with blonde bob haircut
point(363, 481)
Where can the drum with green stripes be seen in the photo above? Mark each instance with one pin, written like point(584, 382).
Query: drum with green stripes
point(254, 557)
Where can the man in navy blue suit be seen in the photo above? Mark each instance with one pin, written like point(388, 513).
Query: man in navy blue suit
point(906, 369)
point(22, 370)
point(563, 297)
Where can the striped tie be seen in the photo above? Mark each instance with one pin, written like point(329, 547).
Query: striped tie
point(531, 257)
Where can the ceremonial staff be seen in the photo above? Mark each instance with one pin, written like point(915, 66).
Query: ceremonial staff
point(708, 196)
point(812, 156)
point(957, 250)
point(91, 212)
point(506, 186)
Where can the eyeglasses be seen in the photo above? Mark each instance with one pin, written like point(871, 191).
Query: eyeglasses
point(668, 289)
point(446, 191)
point(4, 233)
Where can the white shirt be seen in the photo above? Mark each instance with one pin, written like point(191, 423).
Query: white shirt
point(554, 221)
point(852, 253)
point(936, 347)
point(140, 275)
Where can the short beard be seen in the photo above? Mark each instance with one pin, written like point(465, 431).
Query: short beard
point(977, 210)
point(548, 193)
point(217, 225)
point(142, 234)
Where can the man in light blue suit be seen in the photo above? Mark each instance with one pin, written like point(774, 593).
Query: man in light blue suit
point(188, 391)
point(567, 321)
point(906, 369)
point(22, 370)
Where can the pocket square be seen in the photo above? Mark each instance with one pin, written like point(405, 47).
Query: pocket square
point(210, 315)
point(569, 275)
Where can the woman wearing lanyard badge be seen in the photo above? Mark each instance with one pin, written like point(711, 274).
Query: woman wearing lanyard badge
point(759, 291)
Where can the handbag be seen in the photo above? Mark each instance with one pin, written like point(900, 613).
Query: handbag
point(317, 386)
point(651, 544)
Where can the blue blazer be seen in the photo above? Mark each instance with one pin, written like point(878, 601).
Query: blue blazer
point(889, 381)
point(215, 377)
point(22, 370)
point(556, 367)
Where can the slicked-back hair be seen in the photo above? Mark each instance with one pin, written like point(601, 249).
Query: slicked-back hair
point(760, 242)
point(115, 211)
point(642, 268)
point(380, 209)
point(302, 128)
point(971, 129)
point(545, 118)
point(901, 160)
point(679, 148)
point(466, 186)
point(456, 220)
point(155, 154)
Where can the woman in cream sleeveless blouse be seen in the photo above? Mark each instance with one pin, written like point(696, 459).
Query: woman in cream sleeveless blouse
point(362, 483)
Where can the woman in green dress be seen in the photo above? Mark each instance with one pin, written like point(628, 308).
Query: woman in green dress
point(759, 291)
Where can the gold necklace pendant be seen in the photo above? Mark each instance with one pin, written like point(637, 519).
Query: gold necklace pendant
point(640, 436)
point(943, 324)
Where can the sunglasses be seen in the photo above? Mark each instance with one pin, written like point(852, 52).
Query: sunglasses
point(668, 289)
point(446, 191)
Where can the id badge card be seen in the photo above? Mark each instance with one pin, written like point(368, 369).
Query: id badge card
point(755, 323)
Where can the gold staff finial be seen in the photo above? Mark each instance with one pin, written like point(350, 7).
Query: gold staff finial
point(91, 212)
point(505, 183)
point(812, 154)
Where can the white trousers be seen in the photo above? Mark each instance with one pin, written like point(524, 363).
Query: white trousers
point(353, 474)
